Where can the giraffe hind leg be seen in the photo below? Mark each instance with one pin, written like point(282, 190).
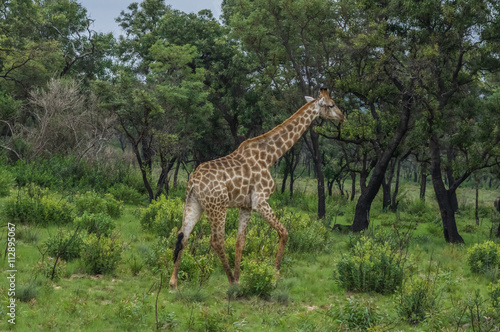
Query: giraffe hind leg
point(217, 223)
point(192, 213)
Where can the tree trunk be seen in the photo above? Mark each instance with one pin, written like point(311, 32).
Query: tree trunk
point(353, 186)
point(444, 197)
point(176, 173)
point(395, 202)
point(386, 194)
point(144, 172)
point(316, 156)
point(285, 176)
point(361, 215)
point(477, 203)
point(423, 181)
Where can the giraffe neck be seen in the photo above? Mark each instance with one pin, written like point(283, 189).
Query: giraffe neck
point(269, 147)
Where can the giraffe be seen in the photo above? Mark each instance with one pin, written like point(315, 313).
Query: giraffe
point(242, 180)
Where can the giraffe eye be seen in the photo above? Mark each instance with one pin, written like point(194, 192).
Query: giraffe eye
point(330, 106)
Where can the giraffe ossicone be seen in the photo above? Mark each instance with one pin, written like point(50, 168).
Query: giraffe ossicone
point(242, 180)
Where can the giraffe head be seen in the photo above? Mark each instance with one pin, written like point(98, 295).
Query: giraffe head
point(326, 106)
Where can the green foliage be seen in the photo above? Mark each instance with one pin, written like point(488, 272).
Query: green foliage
point(162, 215)
point(416, 299)
point(370, 267)
point(46, 269)
point(133, 309)
point(93, 203)
point(100, 255)
point(355, 314)
point(66, 173)
point(126, 194)
point(37, 206)
point(6, 182)
point(494, 290)
point(304, 235)
point(257, 278)
point(483, 256)
point(419, 210)
point(66, 245)
point(98, 224)
point(25, 292)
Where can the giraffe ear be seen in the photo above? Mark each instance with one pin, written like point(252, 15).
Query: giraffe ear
point(309, 99)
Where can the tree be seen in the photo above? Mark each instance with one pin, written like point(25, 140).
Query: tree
point(454, 46)
point(294, 42)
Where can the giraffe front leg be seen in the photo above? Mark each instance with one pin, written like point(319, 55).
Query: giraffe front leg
point(267, 213)
point(192, 213)
point(245, 215)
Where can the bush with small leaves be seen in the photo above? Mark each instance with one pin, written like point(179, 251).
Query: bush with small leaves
point(371, 266)
point(483, 256)
point(34, 205)
point(98, 224)
point(100, 255)
point(134, 309)
point(258, 278)
point(494, 290)
point(91, 202)
point(355, 314)
point(304, 235)
point(416, 299)
point(126, 194)
point(66, 245)
point(7, 181)
point(47, 270)
point(162, 215)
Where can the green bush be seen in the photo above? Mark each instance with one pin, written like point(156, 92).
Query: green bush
point(100, 255)
point(46, 268)
point(99, 223)
point(64, 244)
point(304, 235)
point(162, 215)
point(25, 292)
point(126, 194)
point(6, 182)
point(34, 205)
point(420, 210)
point(416, 300)
point(483, 256)
point(355, 314)
point(91, 202)
point(494, 290)
point(370, 266)
point(257, 278)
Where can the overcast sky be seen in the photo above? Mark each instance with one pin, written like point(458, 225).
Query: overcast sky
point(104, 12)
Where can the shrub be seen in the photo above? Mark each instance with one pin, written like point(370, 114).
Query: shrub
point(162, 215)
point(355, 314)
point(126, 194)
point(483, 256)
point(65, 245)
point(304, 235)
point(91, 202)
point(133, 309)
point(46, 268)
point(420, 210)
point(494, 290)
point(258, 278)
point(98, 224)
point(371, 266)
point(27, 291)
point(100, 255)
point(34, 205)
point(6, 182)
point(416, 300)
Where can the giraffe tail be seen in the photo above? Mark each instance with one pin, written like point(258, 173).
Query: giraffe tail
point(178, 246)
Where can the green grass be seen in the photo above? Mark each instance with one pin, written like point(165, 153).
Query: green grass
point(306, 295)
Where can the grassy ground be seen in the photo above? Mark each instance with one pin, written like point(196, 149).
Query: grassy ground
point(306, 298)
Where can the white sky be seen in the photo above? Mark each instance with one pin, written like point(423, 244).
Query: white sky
point(104, 12)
